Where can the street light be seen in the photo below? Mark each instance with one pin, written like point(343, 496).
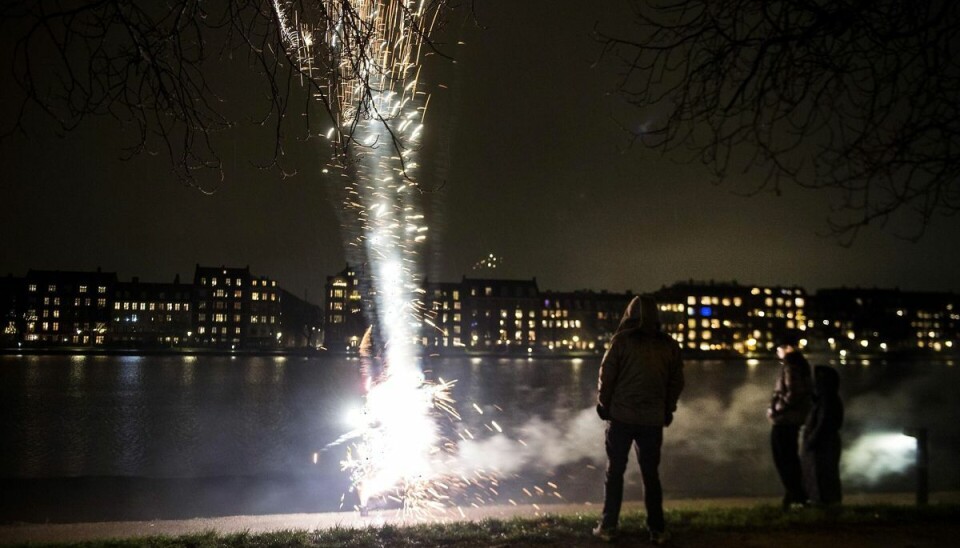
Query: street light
point(923, 463)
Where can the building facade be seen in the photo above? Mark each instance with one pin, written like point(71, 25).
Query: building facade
point(67, 308)
point(151, 314)
point(232, 308)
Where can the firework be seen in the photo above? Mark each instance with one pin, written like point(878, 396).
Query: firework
point(365, 58)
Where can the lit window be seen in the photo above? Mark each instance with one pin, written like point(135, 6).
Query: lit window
point(51, 288)
point(83, 289)
point(32, 288)
point(102, 289)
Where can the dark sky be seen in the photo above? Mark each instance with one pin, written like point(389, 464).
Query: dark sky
point(533, 169)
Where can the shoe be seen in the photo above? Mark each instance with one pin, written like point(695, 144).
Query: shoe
point(659, 537)
point(604, 534)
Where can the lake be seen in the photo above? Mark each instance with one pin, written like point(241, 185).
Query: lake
point(145, 437)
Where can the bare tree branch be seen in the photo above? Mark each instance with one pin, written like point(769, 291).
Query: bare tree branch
point(148, 65)
point(857, 97)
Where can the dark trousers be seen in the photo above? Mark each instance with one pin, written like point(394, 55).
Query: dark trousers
point(647, 441)
point(786, 456)
point(821, 471)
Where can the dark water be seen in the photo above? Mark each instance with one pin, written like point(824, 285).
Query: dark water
point(96, 438)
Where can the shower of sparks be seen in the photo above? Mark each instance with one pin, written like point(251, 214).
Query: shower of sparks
point(365, 57)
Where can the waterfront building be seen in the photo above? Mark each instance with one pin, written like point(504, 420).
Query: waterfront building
point(500, 315)
point(442, 317)
point(67, 308)
point(151, 314)
point(234, 309)
point(344, 319)
point(11, 324)
point(729, 317)
point(580, 321)
point(882, 320)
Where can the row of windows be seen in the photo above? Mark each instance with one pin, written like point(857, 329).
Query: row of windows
point(218, 331)
point(127, 305)
point(52, 288)
point(238, 282)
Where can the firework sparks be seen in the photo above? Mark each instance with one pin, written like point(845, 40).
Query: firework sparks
point(365, 55)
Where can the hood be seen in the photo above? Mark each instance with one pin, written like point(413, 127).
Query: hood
point(642, 312)
point(826, 380)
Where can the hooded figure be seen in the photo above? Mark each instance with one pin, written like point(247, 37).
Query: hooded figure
point(820, 455)
point(641, 377)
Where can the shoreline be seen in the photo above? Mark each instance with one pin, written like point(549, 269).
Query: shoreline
point(321, 353)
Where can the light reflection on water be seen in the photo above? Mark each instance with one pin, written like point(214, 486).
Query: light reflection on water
point(188, 417)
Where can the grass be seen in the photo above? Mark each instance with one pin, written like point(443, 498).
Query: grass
point(560, 530)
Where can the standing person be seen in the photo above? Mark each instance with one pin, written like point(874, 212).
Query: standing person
point(788, 411)
point(820, 455)
point(641, 377)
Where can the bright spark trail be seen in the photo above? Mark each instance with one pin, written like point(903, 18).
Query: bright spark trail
point(367, 57)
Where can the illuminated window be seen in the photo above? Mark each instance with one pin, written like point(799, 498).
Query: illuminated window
point(102, 289)
point(487, 291)
point(83, 289)
point(32, 288)
point(691, 300)
point(51, 288)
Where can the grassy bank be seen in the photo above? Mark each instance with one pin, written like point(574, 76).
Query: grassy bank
point(689, 527)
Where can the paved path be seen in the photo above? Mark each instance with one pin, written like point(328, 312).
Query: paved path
point(62, 532)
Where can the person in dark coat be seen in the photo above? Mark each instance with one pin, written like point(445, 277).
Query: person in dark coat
point(820, 455)
point(641, 377)
point(789, 406)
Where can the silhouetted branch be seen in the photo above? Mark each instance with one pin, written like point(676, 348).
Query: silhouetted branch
point(859, 97)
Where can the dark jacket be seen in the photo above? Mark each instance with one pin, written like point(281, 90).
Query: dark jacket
point(826, 417)
point(820, 456)
point(641, 375)
point(793, 392)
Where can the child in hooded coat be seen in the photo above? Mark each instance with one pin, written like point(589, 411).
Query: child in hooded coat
point(820, 452)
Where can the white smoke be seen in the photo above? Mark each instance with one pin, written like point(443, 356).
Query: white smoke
point(720, 431)
point(875, 455)
point(536, 444)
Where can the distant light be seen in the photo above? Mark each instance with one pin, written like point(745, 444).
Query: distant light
point(706, 311)
point(864, 343)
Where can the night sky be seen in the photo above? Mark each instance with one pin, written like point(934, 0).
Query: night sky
point(531, 166)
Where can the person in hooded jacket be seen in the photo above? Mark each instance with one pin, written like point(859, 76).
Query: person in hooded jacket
point(820, 453)
point(789, 406)
point(641, 377)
